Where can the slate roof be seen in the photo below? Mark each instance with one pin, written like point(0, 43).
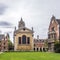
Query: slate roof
point(1, 37)
point(58, 20)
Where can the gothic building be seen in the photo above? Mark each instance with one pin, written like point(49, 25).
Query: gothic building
point(40, 44)
point(23, 37)
point(53, 32)
point(3, 42)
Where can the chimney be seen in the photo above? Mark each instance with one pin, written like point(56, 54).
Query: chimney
point(38, 37)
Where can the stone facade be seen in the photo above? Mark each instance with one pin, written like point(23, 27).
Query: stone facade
point(53, 32)
point(3, 42)
point(23, 38)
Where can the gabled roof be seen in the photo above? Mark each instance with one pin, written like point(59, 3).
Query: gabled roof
point(19, 30)
point(1, 36)
point(58, 20)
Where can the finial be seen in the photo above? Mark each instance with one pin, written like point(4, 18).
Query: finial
point(53, 17)
point(32, 28)
point(21, 19)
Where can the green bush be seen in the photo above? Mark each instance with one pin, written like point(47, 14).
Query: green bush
point(57, 47)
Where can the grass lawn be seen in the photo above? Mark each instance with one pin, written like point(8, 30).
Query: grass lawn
point(29, 56)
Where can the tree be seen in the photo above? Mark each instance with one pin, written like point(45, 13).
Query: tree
point(57, 47)
point(10, 44)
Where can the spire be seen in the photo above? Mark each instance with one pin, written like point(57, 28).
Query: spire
point(21, 23)
point(21, 19)
point(53, 17)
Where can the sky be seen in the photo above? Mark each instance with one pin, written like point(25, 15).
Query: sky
point(35, 13)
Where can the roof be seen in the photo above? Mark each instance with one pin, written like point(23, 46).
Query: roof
point(1, 36)
point(23, 28)
point(58, 20)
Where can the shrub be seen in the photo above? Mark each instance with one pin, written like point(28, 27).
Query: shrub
point(57, 47)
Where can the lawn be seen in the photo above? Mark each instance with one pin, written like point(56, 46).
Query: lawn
point(29, 56)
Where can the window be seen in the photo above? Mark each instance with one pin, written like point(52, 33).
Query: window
point(4, 47)
point(34, 45)
point(23, 39)
point(4, 43)
point(19, 40)
point(37, 49)
point(48, 36)
point(52, 28)
point(28, 40)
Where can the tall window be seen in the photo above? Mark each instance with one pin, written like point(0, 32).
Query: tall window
point(52, 28)
point(28, 40)
point(19, 40)
point(23, 39)
point(48, 36)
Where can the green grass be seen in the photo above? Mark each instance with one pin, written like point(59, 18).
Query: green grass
point(29, 56)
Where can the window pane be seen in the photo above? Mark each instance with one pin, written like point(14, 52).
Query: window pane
point(19, 40)
point(28, 40)
point(23, 39)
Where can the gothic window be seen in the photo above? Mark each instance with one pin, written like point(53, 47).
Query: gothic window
point(28, 40)
point(37, 49)
point(19, 40)
point(4, 43)
point(4, 47)
point(23, 39)
point(54, 36)
point(52, 28)
point(48, 36)
point(34, 45)
point(34, 49)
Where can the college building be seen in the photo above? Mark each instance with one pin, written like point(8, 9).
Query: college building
point(3, 42)
point(40, 44)
point(24, 40)
point(23, 37)
point(53, 32)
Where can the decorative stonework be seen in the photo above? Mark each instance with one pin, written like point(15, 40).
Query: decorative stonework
point(21, 24)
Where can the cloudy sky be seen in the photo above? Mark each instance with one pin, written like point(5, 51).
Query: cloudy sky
point(35, 13)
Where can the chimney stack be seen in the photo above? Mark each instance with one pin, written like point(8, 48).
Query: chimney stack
point(38, 37)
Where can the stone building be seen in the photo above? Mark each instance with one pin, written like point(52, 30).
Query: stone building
point(53, 32)
point(39, 44)
point(23, 37)
point(3, 42)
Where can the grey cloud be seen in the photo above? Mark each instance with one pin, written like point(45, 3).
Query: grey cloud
point(2, 8)
point(5, 24)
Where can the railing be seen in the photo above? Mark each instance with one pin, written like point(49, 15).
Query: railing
point(51, 40)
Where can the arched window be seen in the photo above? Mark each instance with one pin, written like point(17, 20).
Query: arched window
point(23, 39)
point(19, 38)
